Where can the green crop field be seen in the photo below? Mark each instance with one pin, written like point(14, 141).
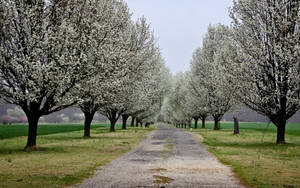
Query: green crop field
point(253, 154)
point(291, 128)
point(10, 131)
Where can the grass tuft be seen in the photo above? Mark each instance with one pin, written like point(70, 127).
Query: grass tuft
point(162, 179)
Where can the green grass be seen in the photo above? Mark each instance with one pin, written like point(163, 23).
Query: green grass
point(10, 131)
point(254, 156)
point(63, 158)
point(291, 128)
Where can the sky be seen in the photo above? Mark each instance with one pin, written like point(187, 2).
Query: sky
point(180, 25)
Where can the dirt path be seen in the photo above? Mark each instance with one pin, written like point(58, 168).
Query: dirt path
point(167, 158)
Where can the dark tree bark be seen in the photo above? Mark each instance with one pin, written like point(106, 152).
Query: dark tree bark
point(136, 122)
point(196, 122)
point(89, 116)
point(33, 120)
point(203, 118)
point(124, 120)
point(113, 117)
point(112, 125)
point(280, 124)
point(33, 111)
point(147, 125)
point(236, 125)
point(203, 123)
point(89, 110)
point(190, 123)
point(185, 125)
point(217, 123)
point(280, 135)
point(141, 123)
point(132, 121)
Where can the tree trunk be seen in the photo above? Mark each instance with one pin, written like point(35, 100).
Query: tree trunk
point(32, 131)
point(185, 125)
point(113, 118)
point(141, 123)
point(132, 121)
point(136, 122)
point(87, 122)
point(112, 125)
point(217, 124)
point(236, 125)
point(203, 123)
point(281, 132)
point(196, 123)
point(124, 120)
point(190, 124)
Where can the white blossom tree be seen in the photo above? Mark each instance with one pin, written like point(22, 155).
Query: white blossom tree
point(225, 58)
point(178, 101)
point(118, 95)
point(207, 75)
point(42, 59)
point(137, 89)
point(154, 89)
point(110, 51)
point(197, 100)
point(267, 37)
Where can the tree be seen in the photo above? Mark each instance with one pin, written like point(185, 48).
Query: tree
point(109, 51)
point(225, 58)
point(207, 73)
point(148, 90)
point(142, 49)
point(267, 37)
point(42, 59)
point(178, 102)
point(198, 101)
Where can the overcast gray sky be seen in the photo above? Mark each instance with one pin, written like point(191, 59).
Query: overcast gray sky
point(180, 25)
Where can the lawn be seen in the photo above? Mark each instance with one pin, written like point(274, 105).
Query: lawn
point(63, 158)
point(254, 156)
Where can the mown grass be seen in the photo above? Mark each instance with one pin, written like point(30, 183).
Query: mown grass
point(254, 156)
point(63, 158)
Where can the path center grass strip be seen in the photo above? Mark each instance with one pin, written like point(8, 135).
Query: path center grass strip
point(254, 156)
point(63, 158)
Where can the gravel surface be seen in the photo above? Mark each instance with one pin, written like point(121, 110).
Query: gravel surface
point(167, 158)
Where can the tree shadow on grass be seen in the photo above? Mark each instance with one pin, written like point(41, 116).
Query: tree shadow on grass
point(68, 138)
point(39, 150)
point(257, 145)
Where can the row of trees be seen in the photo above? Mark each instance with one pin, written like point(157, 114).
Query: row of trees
point(255, 62)
point(59, 53)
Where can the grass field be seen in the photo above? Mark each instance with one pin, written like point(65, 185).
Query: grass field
point(63, 158)
point(10, 131)
point(254, 156)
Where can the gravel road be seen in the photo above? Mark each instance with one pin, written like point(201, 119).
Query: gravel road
point(167, 158)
